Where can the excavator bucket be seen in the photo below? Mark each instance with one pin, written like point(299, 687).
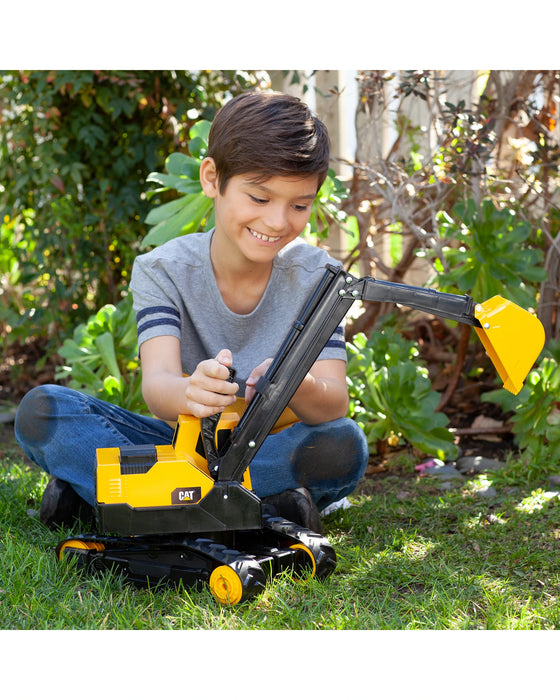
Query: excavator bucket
point(512, 337)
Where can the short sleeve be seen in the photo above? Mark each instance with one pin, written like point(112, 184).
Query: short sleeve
point(156, 310)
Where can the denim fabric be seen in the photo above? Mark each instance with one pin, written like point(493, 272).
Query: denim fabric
point(60, 429)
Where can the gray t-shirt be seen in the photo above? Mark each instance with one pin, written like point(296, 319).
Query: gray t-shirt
point(175, 293)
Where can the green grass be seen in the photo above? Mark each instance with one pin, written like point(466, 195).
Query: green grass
point(428, 560)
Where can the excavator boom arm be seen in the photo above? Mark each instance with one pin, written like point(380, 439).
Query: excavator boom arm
point(324, 311)
point(450, 306)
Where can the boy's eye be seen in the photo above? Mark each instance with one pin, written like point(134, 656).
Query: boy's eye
point(261, 200)
point(258, 200)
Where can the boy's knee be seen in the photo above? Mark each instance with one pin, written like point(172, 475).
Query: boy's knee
point(32, 418)
point(332, 452)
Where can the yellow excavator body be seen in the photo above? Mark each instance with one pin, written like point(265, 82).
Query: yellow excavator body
point(176, 474)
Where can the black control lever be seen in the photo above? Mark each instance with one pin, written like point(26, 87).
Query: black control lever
point(208, 427)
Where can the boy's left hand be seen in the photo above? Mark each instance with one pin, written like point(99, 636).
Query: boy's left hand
point(253, 378)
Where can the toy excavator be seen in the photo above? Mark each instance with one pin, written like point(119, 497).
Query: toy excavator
point(186, 512)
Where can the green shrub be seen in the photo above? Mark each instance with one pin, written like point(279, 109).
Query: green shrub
point(535, 409)
point(391, 394)
point(102, 357)
point(490, 254)
point(75, 147)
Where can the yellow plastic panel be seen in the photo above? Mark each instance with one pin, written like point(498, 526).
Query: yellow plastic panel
point(168, 482)
point(108, 476)
point(187, 434)
point(186, 437)
point(512, 337)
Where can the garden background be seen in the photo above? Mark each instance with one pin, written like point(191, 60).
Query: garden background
point(441, 178)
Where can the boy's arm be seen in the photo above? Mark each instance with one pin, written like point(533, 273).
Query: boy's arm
point(168, 393)
point(322, 396)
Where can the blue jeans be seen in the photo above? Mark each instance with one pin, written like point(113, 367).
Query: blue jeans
point(60, 429)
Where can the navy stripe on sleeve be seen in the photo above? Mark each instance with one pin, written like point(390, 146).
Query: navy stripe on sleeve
point(157, 310)
point(158, 322)
point(336, 344)
point(337, 339)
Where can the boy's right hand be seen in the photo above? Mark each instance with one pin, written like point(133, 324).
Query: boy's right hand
point(209, 390)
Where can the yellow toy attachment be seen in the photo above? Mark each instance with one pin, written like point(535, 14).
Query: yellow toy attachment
point(512, 337)
point(176, 475)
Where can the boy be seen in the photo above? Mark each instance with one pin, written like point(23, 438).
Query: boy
point(209, 301)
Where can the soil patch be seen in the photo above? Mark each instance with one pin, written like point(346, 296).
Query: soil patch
point(23, 366)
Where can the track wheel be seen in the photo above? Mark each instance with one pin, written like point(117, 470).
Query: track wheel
point(309, 560)
point(78, 544)
point(225, 585)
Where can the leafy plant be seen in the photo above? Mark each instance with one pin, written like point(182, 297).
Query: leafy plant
point(12, 294)
point(327, 208)
point(535, 410)
point(102, 357)
point(491, 254)
point(193, 210)
point(74, 150)
point(391, 395)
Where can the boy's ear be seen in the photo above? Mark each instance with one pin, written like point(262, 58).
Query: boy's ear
point(209, 177)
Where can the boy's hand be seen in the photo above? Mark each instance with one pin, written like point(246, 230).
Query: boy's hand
point(253, 378)
point(208, 390)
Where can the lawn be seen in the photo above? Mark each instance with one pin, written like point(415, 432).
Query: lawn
point(412, 555)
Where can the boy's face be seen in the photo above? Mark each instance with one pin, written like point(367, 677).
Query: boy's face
point(260, 218)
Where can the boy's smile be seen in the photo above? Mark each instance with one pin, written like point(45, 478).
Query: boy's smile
point(262, 237)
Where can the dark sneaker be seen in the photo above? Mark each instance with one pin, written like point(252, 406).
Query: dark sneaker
point(295, 505)
point(61, 506)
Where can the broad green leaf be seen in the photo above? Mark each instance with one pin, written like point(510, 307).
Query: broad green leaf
point(164, 211)
point(84, 375)
point(106, 346)
point(199, 138)
point(186, 220)
point(173, 182)
point(182, 166)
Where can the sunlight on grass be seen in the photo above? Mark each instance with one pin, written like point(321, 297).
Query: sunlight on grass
point(478, 483)
point(429, 560)
point(413, 546)
point(535, 501)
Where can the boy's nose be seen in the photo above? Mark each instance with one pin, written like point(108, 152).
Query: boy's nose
point(276, 218)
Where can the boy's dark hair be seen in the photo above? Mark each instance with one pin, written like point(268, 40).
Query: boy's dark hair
point(268, 134)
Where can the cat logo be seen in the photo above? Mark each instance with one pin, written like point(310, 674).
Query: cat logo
point(186, 495)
